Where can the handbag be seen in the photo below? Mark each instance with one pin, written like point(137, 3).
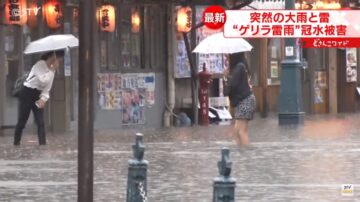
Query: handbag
point(19, 85)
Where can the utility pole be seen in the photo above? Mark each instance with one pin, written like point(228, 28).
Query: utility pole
point(291, 104)
point(86, 100)
point(2, 78)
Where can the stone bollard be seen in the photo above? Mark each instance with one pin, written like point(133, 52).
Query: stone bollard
point(224, 185)
point(136, 185)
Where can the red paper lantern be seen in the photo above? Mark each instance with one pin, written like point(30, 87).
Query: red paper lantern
point(32, 14)
point(135, 21)
point(15, 12)
point(106, 18)
point(184, 19)
point(52, 11)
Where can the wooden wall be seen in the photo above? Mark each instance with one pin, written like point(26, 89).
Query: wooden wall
point(272, 98)
point(273, 93)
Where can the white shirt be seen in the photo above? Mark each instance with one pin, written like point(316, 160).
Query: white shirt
point(41, 78)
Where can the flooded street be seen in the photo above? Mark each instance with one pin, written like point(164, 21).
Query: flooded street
point(308, 163)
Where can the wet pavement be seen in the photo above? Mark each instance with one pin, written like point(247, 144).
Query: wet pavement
point(308, 163)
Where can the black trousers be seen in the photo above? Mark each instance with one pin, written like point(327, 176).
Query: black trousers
point(27, 99)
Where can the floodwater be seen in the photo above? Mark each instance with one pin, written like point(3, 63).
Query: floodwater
point(308, 163)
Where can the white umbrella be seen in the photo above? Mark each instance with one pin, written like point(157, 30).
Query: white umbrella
point(52, 42)
point(217, 43)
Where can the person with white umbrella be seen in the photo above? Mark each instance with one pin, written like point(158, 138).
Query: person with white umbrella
point(242, 99)
point(36, 92)
point(238, 87)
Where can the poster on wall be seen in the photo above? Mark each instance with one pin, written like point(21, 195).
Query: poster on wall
point(109, 82)
point(9, 43)
point(75, 22)
point(182, 69)
point(215, 63)
point(150, 96)
point(133, 103)
point(141, 80)
point(129, 92)
point(318, 99)
point(110, 100)
point(67, 63)
point(103, 54)
point(138, 92)
point(109, 91)
point(274, 69)
point(320, 79)
point(351, 65)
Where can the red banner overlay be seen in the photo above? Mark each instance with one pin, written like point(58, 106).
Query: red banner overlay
point(292, 24)
point(330, 42)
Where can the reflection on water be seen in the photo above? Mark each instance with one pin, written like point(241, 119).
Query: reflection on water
point(307, 163)
point(326, 129)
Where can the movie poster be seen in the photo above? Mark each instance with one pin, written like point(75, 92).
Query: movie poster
point(110, 100)
point(351, 65)
point(129, 92)
point(109, 91)
point(133, 104)
point(103, 54)
point(182, 69)
point(320, 82)
point(320, 79)
point(274, 69)
point(150, 96)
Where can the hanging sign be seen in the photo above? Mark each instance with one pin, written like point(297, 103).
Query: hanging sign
point(106, 18)
point(53, 14)
point(184, 19)
point(13, 12)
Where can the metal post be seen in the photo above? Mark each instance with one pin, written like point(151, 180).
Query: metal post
point(224, 185)
point(86, 99)
point(137, 183)
point(291, 103)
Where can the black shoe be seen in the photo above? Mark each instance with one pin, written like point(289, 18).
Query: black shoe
point(16, 143)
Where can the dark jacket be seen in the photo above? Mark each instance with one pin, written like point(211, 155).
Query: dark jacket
point(238, 86)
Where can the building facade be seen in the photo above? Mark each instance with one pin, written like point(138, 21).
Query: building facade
point(329, 76)
point(142, 73)
point(131, 60)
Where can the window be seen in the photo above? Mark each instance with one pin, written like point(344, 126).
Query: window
point(142, 48)
point(155, 37)
point(133, 48)
point(130, 41)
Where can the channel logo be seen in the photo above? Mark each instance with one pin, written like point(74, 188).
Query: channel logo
point(347, 190)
